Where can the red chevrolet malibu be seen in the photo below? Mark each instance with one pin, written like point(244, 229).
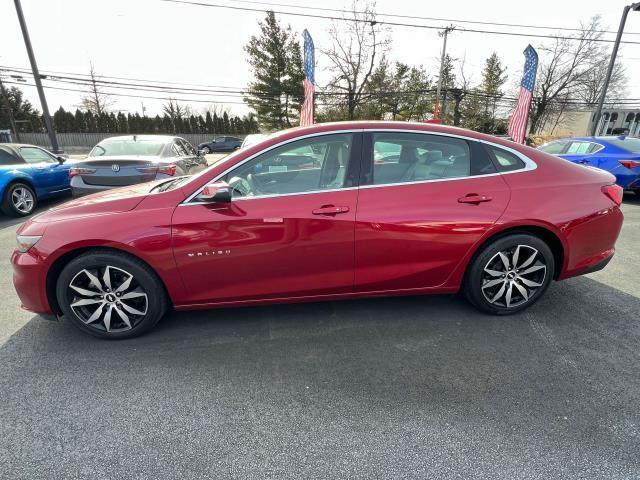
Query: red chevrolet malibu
point(326, 212)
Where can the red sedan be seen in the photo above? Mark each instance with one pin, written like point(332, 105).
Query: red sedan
point(326, 212)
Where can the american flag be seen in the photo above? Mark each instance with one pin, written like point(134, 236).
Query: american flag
point(518, 123)
point(306, 112)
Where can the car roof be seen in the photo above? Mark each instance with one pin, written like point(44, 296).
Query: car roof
point(16, 146)
point(390, 125)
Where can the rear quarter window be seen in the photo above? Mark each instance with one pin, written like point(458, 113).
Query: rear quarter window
point(7, 158)
point(505, 161)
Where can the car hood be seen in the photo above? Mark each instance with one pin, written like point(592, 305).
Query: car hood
point(110, 201)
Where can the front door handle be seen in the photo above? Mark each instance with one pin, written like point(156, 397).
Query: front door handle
point(330, 210)
point(474, 199)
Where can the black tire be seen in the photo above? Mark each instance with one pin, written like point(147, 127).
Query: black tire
point(488, 274)
point(145, 291)
point(206, 150)
point(9, 206)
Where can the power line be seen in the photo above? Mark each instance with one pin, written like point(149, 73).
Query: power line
point(417, 17)
point(386, 22)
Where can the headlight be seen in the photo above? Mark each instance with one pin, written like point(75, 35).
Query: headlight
point(25, 242)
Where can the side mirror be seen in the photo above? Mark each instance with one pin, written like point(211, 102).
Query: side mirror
point(216, 192)
point(61, 159)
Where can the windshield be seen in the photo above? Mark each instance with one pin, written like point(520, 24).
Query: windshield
point(127, 146)
point(629, 144)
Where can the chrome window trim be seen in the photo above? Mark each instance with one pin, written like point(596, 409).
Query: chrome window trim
point(600, 147)
point(529, 164)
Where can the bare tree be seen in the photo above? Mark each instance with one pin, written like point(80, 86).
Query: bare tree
point(96, 100)
point(356, 46)
point(594, 80)
point(566, 68)
point(174, 110)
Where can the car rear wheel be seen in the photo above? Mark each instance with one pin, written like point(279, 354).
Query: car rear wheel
point(110, 295)
point(19, 200)
point(510, 274)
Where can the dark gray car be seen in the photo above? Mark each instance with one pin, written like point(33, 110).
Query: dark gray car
point(131, 159)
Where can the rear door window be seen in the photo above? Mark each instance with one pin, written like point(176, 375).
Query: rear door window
point(399, 157)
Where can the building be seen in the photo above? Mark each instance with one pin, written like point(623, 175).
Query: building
point(613, 122)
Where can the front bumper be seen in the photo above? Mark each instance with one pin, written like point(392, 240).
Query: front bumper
point(30, 280)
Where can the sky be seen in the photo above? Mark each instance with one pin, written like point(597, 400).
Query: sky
point(186, 44)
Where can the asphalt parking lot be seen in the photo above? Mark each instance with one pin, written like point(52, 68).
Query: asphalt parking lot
point(422, 387)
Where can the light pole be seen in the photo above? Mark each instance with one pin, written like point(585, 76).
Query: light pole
point(444, 34)
point(36, 76)
point(596, 123)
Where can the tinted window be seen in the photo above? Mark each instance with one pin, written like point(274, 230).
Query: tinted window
point(188, 147)
point(413, 157)
point(554, 148)
point(178, 148)
point(36, 155)
point(578, 148)
point(505, 160)
point(318, 163)
point(7, 158)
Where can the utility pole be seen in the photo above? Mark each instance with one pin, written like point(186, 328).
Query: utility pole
point(36, 76)
point(444, 33)
point(7, 104)
point(614, 53)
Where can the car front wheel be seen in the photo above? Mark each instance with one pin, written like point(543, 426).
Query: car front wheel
point(110, 294)
point(510, 274)
point(206, 150)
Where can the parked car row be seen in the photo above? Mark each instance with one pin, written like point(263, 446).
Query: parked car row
point(29, 173)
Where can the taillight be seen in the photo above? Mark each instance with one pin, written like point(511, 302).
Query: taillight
point(630, 163)
point(74, 171)
point(614, 192)
point(167, 169)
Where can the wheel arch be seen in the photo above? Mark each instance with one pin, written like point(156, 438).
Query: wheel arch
point(547, 235)
point(59, 263)
point(19, 179)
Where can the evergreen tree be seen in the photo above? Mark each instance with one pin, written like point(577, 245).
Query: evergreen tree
point(59, 121)
point(24, 113)
point(80, 121)
point(493, 79)
point(276, 60)
point(123, 124)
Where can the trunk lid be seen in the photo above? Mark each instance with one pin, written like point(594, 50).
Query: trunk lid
point(118, 171)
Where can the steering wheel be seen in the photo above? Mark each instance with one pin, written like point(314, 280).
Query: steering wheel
point(243, 187)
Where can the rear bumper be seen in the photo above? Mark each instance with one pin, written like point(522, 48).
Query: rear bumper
point(591, 243)
point(29, 280)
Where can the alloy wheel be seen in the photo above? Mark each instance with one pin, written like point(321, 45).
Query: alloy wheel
point(107, 298)
point(512, 277)
point(22, 200)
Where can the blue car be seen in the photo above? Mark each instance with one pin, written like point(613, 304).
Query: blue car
point(617, 155)
point(29, 174)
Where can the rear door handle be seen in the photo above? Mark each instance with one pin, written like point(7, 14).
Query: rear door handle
point(474, 199)
point(330, 210)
